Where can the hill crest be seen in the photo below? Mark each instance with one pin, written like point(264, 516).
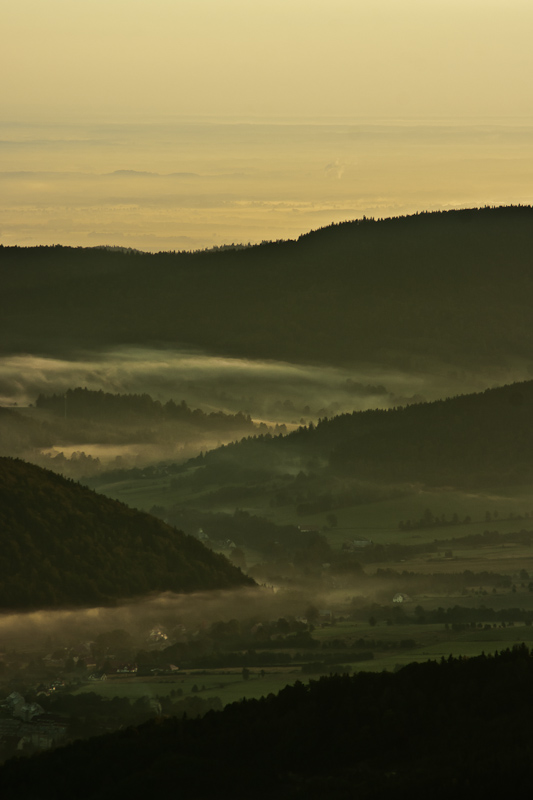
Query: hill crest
point(64, 544)
point(438, 287)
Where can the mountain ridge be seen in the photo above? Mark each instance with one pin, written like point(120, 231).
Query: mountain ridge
point(448, 287)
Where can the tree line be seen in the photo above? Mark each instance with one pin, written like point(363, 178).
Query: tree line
point(83, 403)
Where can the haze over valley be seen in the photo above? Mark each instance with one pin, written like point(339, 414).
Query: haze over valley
point(189, 184)
point(266, 395)
point(331, 441)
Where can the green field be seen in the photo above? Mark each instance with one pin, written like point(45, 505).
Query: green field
point(431, 641)
point(142, 494)
point(377, 521)
point(225, 684)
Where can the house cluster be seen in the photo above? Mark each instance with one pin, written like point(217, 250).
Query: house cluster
point(218, 544)
point(98, 676)
point(399, 598)
point(20, 709)
point(80, 656)
point(47, 689)
point(157, 635)
point(165, 669)
point(29, 723)
point(114, 668)
point(356, 544)
point(126, 669)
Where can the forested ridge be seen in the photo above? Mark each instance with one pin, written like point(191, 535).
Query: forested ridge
point(63, 544)
point(457, 728)
point(82, 417)
point(83, 403)
point(478, 439)
point(444, 286)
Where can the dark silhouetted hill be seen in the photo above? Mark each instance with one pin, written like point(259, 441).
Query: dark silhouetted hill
point(449, 286)
point(63, 544)
point(460, 728)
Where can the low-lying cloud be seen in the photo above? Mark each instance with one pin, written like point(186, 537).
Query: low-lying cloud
point(270, 390)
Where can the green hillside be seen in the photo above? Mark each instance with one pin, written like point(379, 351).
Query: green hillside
point(446, 286)
point(455, 461)
point(63, 544)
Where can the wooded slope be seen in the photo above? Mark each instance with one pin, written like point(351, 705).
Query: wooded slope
point(451, 286)
point(481, 439)
point(62, 544)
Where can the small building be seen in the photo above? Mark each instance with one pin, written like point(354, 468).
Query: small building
point(157, 635)
point(13, 700)
point(98, 676)
point(358, 544)
point(28, 711)
point(399, 598)
point(127, 669)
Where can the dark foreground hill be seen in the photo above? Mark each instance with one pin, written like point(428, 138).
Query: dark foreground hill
point(63, 544)
point(461, 729)
point(452, 286)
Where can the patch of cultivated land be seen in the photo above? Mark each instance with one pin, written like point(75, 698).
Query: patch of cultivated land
point(227, 684)
point(393, 645)
point(378, 521)
point(505, 560)
point(141, 494)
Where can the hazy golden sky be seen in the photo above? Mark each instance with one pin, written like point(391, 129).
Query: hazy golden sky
point(433, 96)
point(304, 57)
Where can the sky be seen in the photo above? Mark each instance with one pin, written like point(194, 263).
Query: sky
point(255, 120)
point(385, 58)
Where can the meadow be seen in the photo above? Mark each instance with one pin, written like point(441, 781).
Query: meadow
point(393, 646)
